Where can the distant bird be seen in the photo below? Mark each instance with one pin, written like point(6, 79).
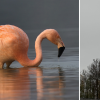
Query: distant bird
point(14, 45)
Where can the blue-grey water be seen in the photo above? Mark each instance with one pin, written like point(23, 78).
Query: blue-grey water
point(54, 79)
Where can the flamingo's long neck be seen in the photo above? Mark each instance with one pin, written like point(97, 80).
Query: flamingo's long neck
point(38, 49)
point(26, 61)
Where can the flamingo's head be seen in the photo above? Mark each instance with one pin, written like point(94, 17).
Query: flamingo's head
point(61, 47)
point(53, 36)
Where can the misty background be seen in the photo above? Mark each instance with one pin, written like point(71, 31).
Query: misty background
point(39, 14)
point(89, 32)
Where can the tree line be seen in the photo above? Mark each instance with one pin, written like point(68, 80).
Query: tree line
point(90, 81)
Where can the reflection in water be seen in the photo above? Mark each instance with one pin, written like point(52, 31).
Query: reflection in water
point(51, 87)
point(30, 84)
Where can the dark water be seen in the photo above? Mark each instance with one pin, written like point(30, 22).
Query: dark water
point(54, 79)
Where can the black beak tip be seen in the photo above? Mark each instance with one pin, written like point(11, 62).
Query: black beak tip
point(60, 51)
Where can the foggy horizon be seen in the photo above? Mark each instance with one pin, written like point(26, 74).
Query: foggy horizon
point(40, 14)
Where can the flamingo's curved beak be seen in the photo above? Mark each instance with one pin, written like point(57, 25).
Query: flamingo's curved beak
point(60, 51)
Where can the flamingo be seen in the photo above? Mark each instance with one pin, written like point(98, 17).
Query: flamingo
point(14, 45)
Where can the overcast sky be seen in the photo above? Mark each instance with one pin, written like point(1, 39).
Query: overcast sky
point(89, 32)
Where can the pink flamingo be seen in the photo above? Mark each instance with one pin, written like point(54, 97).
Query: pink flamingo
point(14, 45)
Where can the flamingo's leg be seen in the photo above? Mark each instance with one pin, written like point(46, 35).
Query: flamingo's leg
point(8, 64)
point(1, 65)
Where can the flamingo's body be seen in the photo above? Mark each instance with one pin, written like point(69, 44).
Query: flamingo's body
point(14, 45)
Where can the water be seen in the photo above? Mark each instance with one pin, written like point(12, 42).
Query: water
point(53, 80)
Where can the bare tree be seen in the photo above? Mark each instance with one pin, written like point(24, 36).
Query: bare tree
point(90, 81)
